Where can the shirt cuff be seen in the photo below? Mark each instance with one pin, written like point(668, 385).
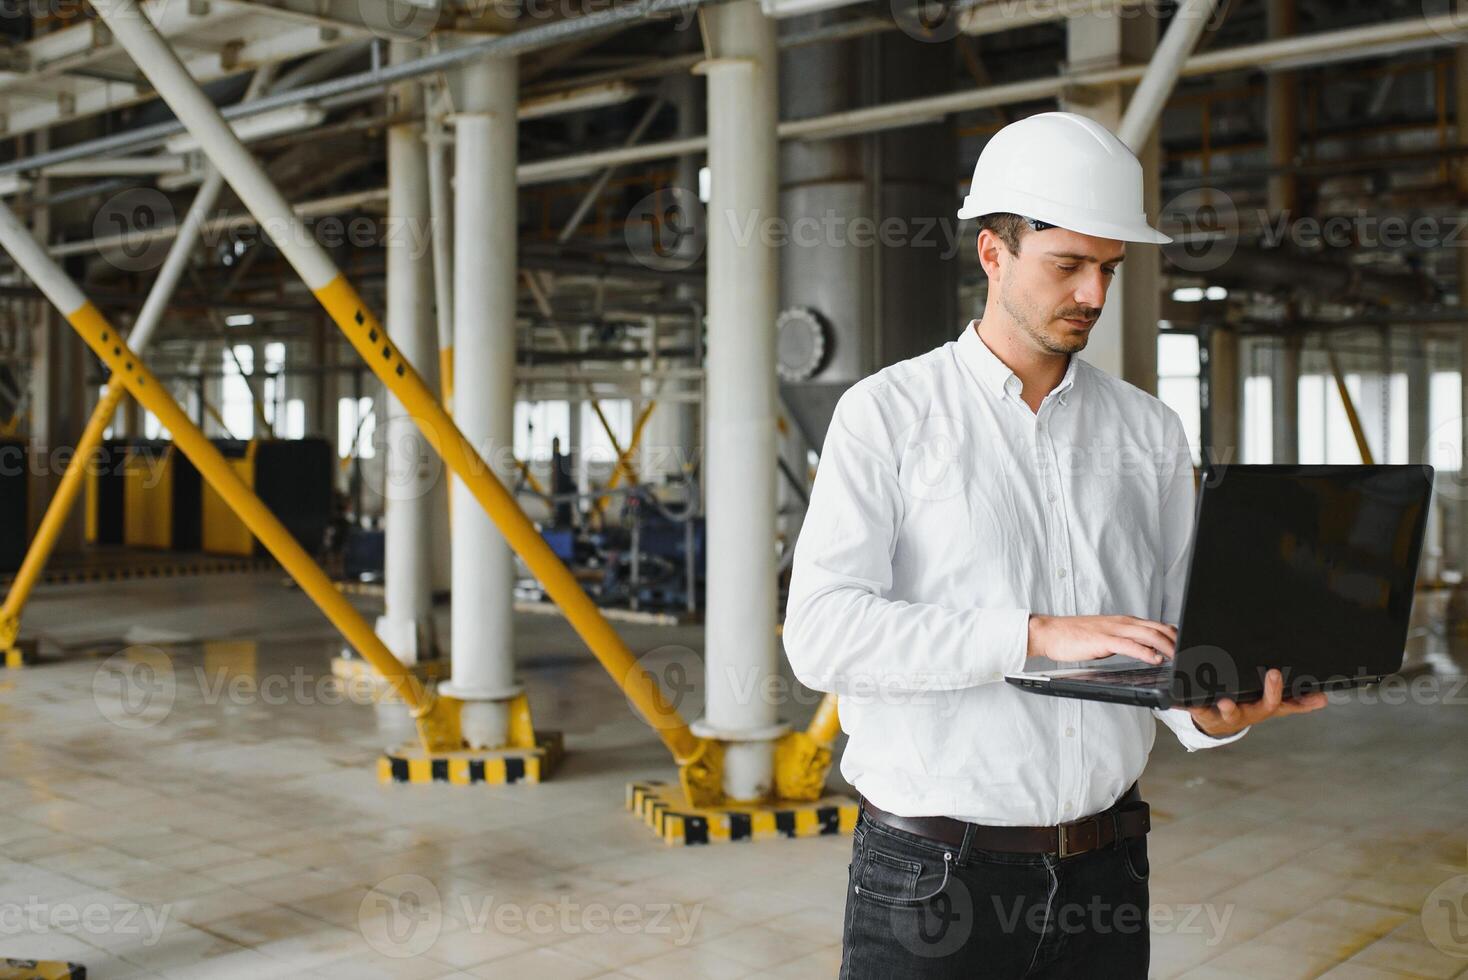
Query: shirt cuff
point(1190, 735)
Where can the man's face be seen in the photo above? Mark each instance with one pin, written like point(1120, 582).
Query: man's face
point(1055, 288)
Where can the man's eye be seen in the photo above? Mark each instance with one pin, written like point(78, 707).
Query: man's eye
point(1109, 272)
point(1066, 268)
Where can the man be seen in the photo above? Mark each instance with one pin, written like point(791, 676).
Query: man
point(992, 501)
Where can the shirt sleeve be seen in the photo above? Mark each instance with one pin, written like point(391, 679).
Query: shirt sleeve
point(843, 633)
point(1178, 497)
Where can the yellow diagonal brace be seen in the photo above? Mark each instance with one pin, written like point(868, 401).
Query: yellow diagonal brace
point(57, 511)
point(530, 478)
point(624, 456)
point(437, 724)
point(364, 332)
point(136, 34)
point(1349, 403)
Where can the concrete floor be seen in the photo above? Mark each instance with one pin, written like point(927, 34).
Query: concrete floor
point(228, 821)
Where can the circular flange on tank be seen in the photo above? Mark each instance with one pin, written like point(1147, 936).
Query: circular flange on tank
point(800, 343)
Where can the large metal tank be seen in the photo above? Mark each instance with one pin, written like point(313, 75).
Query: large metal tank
point(853, 300)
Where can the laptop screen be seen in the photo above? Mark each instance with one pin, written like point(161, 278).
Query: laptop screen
point(1310, 569)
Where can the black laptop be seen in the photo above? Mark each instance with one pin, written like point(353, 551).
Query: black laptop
point(1310, 569)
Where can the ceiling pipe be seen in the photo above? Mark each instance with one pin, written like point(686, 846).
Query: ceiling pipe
point(504, 45)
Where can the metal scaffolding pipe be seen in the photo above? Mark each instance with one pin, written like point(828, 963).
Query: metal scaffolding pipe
point(740, 648)
point(483, 667)
point(503, 45)
point(167, 74)
point(412, 476)
point(1151, 95)
point(1298, 51)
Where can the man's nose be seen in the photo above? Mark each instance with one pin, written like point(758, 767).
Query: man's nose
point(1092, 290)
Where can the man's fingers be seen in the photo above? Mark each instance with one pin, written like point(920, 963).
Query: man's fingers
point(1139, 651)
point(1144, 633)
point(1300, 706)
point(1273, 691)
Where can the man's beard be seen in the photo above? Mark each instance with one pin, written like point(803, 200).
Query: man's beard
point(1033, 326)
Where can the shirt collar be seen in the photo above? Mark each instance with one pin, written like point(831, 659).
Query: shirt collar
point(994, 374)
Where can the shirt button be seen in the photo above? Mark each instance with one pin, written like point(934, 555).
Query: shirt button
point(1050, 497)
point(1070, 731)
point(1060, 574)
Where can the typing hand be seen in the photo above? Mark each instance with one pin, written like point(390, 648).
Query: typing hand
point(1077, 638)
point(1228, 717)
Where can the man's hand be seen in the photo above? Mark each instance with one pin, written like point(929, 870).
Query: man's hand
point(1076, 638)
point(1227, 717)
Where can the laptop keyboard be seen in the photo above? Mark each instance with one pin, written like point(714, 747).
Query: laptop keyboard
point(1138, 677)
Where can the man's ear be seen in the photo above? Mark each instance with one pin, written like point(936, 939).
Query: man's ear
point(989, 247)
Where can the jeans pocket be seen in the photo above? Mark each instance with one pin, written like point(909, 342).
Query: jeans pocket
point(887, 879)
point(1134, 853)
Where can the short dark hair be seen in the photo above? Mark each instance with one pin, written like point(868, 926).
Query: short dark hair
point(1009, 227)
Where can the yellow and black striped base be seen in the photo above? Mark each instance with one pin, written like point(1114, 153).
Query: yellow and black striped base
point(162, 569)
point(492, 766)
point(41, 970)
point(662, 808)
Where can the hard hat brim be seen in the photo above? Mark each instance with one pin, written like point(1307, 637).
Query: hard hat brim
point(1127, 231)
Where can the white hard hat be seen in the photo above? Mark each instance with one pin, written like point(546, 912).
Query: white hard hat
point(1065, 170)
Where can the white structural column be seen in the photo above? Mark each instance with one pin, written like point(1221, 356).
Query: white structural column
point(1456, 492)
point(671, 437)
point(1124, 340)
point(413, 468)
point(739, 472)
point(485, 133)
point(440, 208)
point(1281, 113)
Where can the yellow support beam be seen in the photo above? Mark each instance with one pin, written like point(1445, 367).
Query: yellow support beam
point(698, 758)
point(437, 723)
point(57, 511)
point(1352, 416)
point(624, 456)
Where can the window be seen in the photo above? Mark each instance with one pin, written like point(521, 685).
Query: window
point(1445, 421)
point(537, 423)
point(1258, 419)
point(355, 420)
point(594, 442)
point(295, 419)
point(1177, 383)
point(237, 406)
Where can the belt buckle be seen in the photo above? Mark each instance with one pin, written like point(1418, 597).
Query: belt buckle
point(1067, 849)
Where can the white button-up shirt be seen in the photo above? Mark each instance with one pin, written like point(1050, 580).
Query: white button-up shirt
point(944, 512)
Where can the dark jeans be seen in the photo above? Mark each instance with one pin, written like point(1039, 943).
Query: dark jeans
point(912, 913)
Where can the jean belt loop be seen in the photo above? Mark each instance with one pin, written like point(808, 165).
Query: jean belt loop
point(968, 840)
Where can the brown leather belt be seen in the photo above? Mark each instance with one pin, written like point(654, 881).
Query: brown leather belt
point(1127, 817)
